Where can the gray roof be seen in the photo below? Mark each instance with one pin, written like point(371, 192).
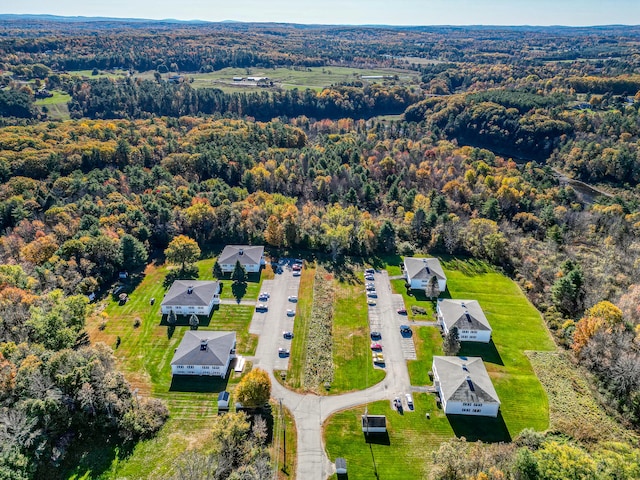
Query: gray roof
point(245, 254)
point(464, 314)
point(201, 295)
point(375, 421)
point(423, 268)
point(217, 351)
point(464, 379)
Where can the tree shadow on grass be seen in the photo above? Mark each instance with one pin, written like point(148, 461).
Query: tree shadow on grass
point(377, 438)
point(197, 383)
point(92, 454)
point(485, 429)
point(183, 320)
point(487, 351)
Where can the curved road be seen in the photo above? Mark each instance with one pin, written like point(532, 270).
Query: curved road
point(309, 410)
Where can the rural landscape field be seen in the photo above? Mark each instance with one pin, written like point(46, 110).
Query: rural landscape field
point(267, 250)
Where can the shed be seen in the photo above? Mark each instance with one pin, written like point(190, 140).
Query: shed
point(341, 466)
point(223, 400)
point(374, 423)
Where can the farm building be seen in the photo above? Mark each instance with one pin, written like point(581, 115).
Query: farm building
point(467, 316)
point(420, 271)
point(250, 257)
point(464, 386)
point(191, 296)
point(204, 353)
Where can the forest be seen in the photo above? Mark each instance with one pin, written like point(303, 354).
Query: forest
point(472, 160)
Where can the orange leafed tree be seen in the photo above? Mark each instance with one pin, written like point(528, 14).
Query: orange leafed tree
point(602, 315)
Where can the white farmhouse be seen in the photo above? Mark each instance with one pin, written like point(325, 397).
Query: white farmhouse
point(250, 257)
point(204, 353)
point(467, 316)
point(191, 296)
point(420, 271)
point(464, 386)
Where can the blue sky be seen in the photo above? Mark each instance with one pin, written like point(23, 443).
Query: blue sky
point(390, 12)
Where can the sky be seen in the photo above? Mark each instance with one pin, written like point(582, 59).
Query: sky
point(355, 12)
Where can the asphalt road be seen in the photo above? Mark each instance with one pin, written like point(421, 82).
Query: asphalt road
point(310, 411)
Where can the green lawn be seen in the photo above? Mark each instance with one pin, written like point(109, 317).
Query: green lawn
point(428, 342)
point(56, 106)
point(351, 343)
point(517, 328)
point(144, 355)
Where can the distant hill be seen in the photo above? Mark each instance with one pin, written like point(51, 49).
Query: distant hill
point(80, 19)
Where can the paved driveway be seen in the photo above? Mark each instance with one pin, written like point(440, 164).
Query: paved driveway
point(309, 410)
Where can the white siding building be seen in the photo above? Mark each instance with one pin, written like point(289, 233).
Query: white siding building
point(467, 317)
point(191, 296)
point(204, 353)
point(251, 258)
point(464, 386)
point(420, 271)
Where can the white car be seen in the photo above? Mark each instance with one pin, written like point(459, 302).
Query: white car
point(409, 401)
point(290, 312)
point(293, 298)
point(261, 307)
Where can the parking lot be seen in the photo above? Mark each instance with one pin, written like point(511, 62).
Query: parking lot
point(275, 319)
point(396, 348)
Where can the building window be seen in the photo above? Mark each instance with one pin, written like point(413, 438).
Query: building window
point(180, 366)
point(190, 366)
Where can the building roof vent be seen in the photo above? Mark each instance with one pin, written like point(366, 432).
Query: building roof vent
point(466, 314)
point(470, 383)
point(203, 345)
point(241, 252)
point(190, 289)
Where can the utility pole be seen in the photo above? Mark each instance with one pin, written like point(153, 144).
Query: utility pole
point(284, 435)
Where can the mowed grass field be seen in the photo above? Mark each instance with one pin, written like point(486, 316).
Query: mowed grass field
point(56, 106)
point(144, 355)
point(353, 367)
point(517, 328)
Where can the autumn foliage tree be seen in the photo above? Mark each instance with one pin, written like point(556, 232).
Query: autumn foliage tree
point(182, 250)
point(603, 315)
point(254, 389)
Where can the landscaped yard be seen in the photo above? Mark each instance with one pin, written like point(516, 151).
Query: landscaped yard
point(144, 355)
point(517, 327)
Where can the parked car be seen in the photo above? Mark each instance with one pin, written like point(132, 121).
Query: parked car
point(370, 288)
point(288, 335)
point(371, 302)
point(397, 403)
point(297, 273)
point(290, 312)
point(261, 307)
point(296, 267)
point(283, 352)
point(405, 329)
point(372, 294)
point(293, 298)
point(376, 346)
point(409, 401)
point(369, 278)
point(369, 271)
point(378, 358)
point(402, 311)
point(263, 298)
point(376, 335)
point(370, 284)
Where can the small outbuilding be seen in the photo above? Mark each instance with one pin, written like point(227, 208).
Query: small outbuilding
point(223, 400)
point(341, 466)
point(374, 423)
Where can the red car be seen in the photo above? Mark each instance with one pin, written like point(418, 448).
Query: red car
point(376, 346)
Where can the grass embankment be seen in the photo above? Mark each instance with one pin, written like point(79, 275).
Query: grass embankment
point(56, 106)
point(144, 355)
point(573, 410)
point(517, 328)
